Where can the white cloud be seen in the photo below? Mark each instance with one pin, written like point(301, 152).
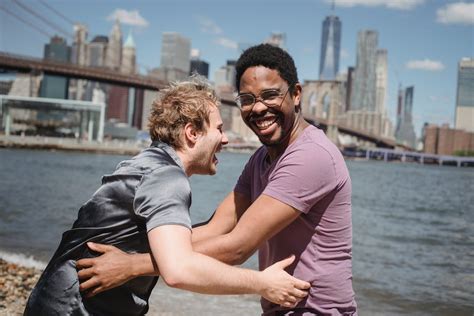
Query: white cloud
point(425, 64)
point(226, 42)
point(131, 17)
point(208, 26)
point(456, 13)
point(391, 4)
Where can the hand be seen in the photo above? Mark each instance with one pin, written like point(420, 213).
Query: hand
point(109, 270)
point(281, 288)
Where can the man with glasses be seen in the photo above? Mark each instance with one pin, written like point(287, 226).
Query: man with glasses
point(143, 207)
point(293, 196)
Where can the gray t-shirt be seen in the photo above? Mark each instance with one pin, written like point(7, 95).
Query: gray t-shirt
point(145, 192)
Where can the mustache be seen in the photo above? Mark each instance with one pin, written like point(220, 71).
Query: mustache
point(268, 112)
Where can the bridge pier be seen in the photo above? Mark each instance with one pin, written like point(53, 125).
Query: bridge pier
point(7, 120)
point(332, 132)
point(90, 126)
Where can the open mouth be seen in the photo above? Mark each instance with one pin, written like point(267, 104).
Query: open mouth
point(264, 123)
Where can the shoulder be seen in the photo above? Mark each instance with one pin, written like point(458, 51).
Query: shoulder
point(316, 152)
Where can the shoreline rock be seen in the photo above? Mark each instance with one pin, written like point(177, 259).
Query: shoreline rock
point(16, 283)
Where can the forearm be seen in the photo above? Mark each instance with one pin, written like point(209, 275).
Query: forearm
point(202, 274)
point(143, 264)
point(226, 248)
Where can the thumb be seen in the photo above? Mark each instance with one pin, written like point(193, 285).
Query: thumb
point(285, 262)
point(99, 247)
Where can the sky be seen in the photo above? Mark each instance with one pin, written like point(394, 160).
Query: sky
point(425, 39)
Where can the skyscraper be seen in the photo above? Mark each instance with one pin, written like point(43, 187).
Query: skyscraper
point(129, 56)
point(55, 86)
point(364, 89)
point(113, 57)
point(175, 55)
point(330, 48)
point(381, 81)
point(405, 131)
point(79, 56)
point(465, 95)
point(198, 65)
point(97, 51)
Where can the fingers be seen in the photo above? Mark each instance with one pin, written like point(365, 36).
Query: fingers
point(290, 301)
point(89, 284)
point(84, 263)
point(95, 291)
point(302, 285)
point(285, 262)
point(100, 247)
point(299, 294)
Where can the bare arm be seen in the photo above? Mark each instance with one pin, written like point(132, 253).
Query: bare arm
point(183, 268)
point(224, 219)
point(262, 220)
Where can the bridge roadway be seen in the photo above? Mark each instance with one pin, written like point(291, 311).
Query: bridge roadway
point(36, 65)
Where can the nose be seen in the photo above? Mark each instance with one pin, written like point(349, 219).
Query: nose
point(259, 106)
point(224, 140)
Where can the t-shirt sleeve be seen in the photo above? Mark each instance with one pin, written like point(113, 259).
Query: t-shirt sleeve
point(243, 183)
point(163, 197)
point(302, 178)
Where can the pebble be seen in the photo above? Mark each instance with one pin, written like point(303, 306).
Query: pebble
point(16, 283)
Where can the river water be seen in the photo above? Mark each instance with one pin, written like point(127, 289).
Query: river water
point(413, 228)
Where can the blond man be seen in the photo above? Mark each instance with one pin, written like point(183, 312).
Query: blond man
point(144, 207)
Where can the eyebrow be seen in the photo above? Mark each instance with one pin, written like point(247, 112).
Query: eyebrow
point(261, 91)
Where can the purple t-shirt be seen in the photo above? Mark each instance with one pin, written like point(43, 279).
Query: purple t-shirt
point(312, 177)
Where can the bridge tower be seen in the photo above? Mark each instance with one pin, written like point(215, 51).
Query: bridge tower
point(322, 102)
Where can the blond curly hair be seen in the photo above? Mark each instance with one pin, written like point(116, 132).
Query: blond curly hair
point(181, 103)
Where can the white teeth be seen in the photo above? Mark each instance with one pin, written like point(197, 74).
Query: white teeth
point(265, 123)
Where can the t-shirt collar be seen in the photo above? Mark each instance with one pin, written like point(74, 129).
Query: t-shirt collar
point(169, 150)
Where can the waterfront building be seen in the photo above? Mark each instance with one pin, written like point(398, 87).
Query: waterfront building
point(442, 140)
point(381, 74)
point(55, 86)
point(98, 50)
point(364, 89)
point(175, 56)
point(79, 56)
point(113, 57)
point(349, 84)
point(129, 56)
point(405, 131)
point(224, 77)
point(277, 39)
point(465, 95)
point(330, 48)
point(197, 65)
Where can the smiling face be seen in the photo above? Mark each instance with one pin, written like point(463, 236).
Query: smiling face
point(208, 143)
point(274, 126)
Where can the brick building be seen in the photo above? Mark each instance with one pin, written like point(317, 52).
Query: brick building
point(443, 140)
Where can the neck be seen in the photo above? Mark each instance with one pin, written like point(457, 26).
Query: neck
point(298, 126)
point(186, 159)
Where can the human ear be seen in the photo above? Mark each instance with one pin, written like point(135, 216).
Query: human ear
point(297, 94)
point(190, 133)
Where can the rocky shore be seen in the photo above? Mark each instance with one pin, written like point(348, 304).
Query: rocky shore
point(16, 283)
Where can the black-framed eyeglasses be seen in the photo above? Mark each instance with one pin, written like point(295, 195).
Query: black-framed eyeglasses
point(269, 97)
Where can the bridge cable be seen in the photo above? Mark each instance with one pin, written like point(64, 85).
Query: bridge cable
point(26, 22)
point(51, 24)
point(57, 12)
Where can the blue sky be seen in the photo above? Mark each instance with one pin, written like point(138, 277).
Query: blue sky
point(425, 39)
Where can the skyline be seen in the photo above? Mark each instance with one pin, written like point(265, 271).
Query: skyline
point(425, 39)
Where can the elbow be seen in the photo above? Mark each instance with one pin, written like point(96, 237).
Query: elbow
point(239, 256)
point(174, 277)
